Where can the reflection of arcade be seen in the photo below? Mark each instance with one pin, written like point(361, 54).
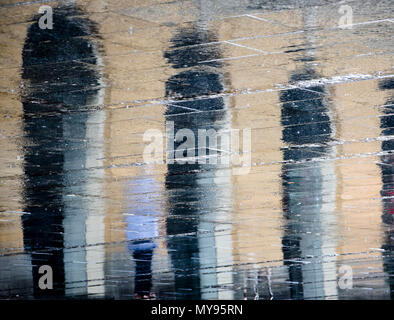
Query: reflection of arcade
point(308, 195)
point(59, 82)
point(387, 162)
point(192, 189)
point(306, 128)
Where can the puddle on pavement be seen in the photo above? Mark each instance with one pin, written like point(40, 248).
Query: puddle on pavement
point(310, 200)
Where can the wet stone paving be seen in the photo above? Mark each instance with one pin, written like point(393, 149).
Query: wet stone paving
point(197, 149)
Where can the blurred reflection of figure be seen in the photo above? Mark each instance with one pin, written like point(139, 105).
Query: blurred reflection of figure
point(60, 78)
point(387, 165)
point(142, 229)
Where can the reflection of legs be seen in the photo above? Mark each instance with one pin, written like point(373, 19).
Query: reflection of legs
point(143, 273)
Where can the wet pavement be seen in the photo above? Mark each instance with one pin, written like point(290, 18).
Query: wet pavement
point(302, 210)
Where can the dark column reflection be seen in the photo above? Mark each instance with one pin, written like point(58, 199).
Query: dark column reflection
point(305, 122)
point(185, 195)
point(387, 163)
point(55, 87)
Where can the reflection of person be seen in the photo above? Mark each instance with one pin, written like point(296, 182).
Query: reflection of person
point(143, 269)
point(141, 229)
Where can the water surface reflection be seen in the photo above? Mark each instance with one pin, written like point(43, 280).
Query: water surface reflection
point(61, 142)
point(112, 225)
point(308, 185)
point(387, 162)
point(196, 191)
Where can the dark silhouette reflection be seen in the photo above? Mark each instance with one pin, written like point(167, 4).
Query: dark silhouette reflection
point(142, 229)
point(187, 198)
point(56, 85)
point(306, 127)
point(387, 163)
point(143, 270)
